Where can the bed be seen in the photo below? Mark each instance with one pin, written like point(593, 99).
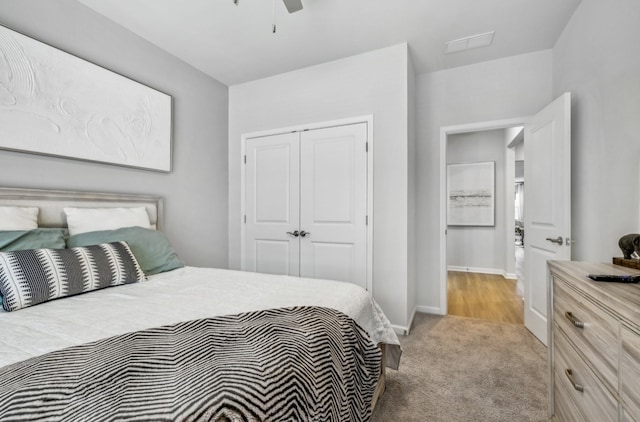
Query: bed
point(188, 343)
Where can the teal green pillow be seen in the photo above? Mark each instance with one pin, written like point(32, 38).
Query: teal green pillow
point(17, 240)
point(150, 247)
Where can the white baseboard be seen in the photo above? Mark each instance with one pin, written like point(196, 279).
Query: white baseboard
point(413, 315)
point(400, 330)
point(404, 331)
point(479, 270)
point(429, 310)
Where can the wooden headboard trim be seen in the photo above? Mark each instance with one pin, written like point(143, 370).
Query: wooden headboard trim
point(52, 202)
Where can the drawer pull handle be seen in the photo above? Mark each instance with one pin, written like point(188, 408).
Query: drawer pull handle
point(569, 374)
point(575, 321)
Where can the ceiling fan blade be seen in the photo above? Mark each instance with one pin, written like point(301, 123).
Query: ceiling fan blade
point(293, 5)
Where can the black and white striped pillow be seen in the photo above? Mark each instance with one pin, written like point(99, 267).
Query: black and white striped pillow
point(33, 276)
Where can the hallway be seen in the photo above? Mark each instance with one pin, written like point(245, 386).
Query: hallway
point(484, 296)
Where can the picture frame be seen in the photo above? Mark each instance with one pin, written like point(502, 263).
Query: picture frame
point(56, 104)
point(471, 194)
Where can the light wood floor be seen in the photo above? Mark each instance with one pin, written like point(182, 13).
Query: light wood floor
point(484, 296)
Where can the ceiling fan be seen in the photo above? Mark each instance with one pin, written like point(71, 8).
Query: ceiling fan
point(292, 5)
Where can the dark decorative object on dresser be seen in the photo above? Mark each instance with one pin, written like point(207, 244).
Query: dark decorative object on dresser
point(630, 246)
point(629, 263)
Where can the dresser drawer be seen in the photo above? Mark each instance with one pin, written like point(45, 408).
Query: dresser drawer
point(595, 402)
point(626, 416)
point(566, 410)
point(597, 339)
point(630, 370)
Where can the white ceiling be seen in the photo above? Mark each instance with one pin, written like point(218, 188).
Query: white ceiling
point(234, 44)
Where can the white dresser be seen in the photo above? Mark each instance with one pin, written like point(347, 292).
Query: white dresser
point(594, 347)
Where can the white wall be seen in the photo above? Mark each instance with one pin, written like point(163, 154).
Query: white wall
point(500, 89)
point(371, 83)
point(195, 191)
point(480, 249)
point(519, 153)
point(597, 59)
point(412, 281)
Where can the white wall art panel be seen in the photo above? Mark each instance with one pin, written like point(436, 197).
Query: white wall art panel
point(54, 103)
point(471, 194)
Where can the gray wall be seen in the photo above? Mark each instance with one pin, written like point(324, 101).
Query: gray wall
point(196, 191)
point(481, 249)
point(371, 83)
point(597, 59)
point(513, 87)
point(412, 278)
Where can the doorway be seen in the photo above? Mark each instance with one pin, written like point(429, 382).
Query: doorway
point(481, 251)
point(517, 144)
point(548, 203)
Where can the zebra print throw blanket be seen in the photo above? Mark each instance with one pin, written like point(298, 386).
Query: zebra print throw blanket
point(289, 364)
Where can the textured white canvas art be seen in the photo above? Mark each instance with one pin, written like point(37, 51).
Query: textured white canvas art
point(470, 194)
point(54, 103)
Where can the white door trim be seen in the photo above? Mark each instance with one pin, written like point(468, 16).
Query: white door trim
point(445, 131)
point(368, 119)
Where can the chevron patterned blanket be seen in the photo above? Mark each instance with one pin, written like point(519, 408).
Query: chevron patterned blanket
point(288, 364)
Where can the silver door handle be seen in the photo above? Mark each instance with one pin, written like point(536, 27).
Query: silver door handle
point(557, 240)
point(295, 233)
point(304, 233)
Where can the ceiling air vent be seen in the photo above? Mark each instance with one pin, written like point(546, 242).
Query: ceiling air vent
point(467, 43)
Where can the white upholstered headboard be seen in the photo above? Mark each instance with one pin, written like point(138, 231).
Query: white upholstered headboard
point(52, 202)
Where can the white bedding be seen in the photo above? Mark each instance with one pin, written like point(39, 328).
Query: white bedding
point(179, 295)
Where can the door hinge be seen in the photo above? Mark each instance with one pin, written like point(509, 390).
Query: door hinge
point(366, 220)
point(245, 219)
point(245, 158)
point(366, 147)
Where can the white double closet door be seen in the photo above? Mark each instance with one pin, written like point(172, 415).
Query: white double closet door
point(306, 204)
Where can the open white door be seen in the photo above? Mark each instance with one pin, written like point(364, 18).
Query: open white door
point(547, 215)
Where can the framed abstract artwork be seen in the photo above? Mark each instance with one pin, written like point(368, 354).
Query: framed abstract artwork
point(56, 104)
point(471, 194)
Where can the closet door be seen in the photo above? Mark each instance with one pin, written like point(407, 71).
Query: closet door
point(333, 203)
point(272, 204)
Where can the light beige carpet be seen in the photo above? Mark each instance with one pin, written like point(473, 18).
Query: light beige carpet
point(461, 369)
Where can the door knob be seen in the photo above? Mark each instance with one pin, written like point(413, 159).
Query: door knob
point(557, 240)
point(304, 233)
point(295, 233)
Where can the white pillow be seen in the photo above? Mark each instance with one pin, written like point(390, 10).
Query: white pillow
point(82, 220)
point(18, 218)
